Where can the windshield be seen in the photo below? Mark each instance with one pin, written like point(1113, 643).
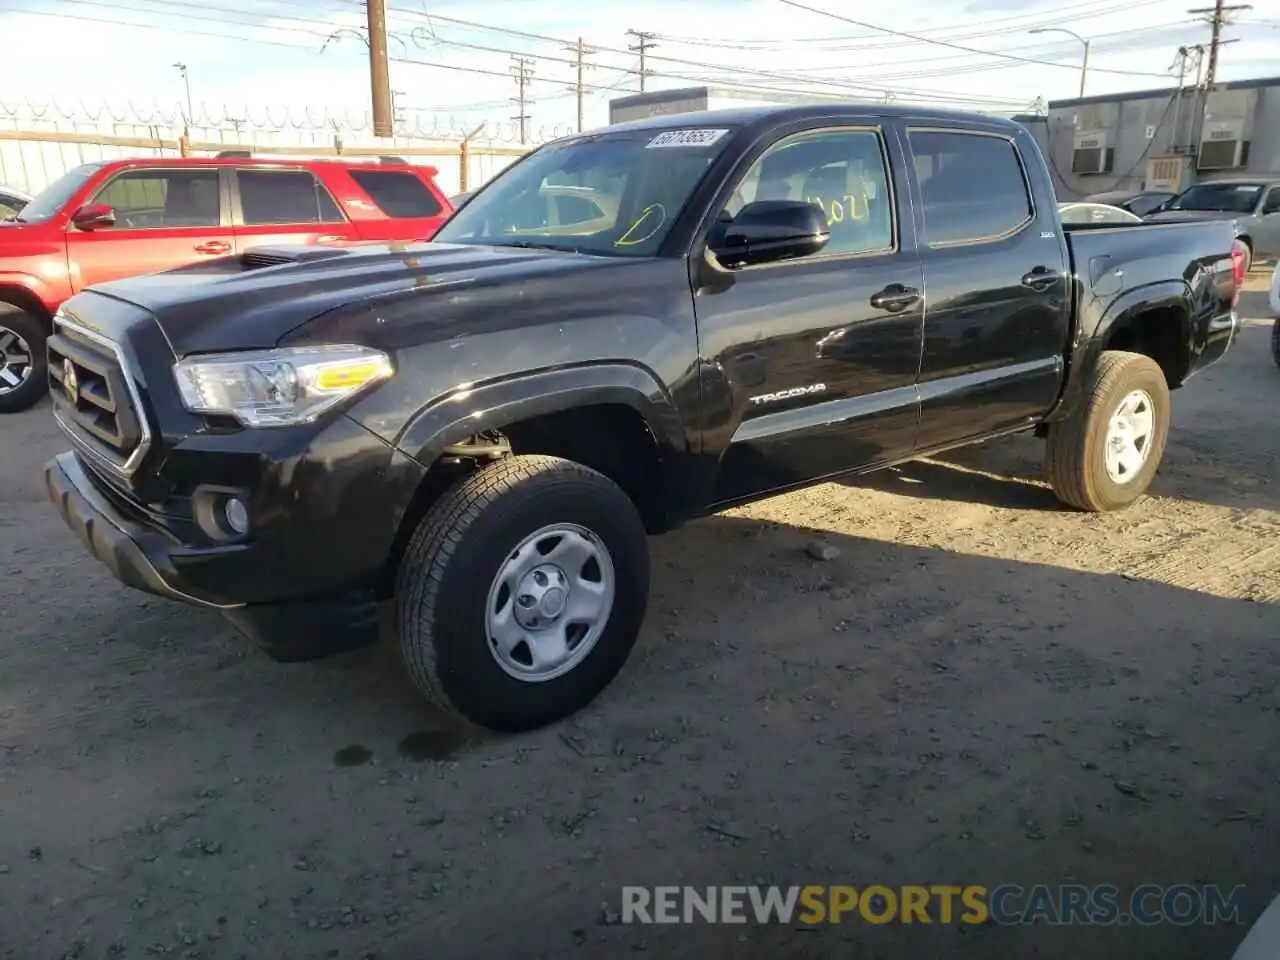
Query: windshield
point(1221, 197)
point(54, 197)
point(610, 193)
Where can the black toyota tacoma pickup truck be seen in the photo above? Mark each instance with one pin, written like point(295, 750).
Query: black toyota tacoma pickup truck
point(624, 330)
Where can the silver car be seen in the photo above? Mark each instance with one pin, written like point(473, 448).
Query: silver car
point(1253, 204)
point(1085, 211)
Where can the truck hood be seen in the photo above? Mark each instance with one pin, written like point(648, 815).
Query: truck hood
point(1182, 216)
point(254, 300)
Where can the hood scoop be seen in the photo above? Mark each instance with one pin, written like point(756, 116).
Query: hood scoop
point(260, 257)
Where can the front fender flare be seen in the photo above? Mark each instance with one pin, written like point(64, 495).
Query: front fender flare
point(31, 285)
point(471, 410)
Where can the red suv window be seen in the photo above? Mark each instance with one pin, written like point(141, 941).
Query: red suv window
point(285, 196)
point(400, 195)
point(151, 198)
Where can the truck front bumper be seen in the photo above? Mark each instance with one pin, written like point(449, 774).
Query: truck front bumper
point(136, 555)
point(309, 576)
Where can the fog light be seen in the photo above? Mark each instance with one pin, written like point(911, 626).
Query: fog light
point(237, 515)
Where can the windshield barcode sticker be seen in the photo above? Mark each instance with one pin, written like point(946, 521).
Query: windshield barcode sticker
point(686, 138)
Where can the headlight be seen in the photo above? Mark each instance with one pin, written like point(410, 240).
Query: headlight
point(276, 388)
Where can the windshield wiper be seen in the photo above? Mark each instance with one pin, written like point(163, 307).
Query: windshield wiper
point(14, 219)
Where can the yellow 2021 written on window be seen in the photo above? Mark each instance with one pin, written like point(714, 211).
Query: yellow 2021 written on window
point(847, 207)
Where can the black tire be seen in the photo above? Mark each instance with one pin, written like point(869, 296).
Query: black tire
point(456, 552)
point(33, 331)
point(1275, 341)
point(1077, 445)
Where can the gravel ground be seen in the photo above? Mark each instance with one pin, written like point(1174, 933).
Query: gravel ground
point(979, 687)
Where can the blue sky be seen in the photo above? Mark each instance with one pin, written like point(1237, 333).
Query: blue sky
point(251, 54)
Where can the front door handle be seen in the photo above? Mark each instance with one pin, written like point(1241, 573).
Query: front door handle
point(213, 246)
point(895, 297)
point(330, 238)
point(1041, 278)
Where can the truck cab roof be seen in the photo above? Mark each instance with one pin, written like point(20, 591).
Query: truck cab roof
point(770, 116)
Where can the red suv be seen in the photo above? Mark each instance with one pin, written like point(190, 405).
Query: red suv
point(104, 221)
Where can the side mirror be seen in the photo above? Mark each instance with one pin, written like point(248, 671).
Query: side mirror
point(94, 216)
point(769, 230)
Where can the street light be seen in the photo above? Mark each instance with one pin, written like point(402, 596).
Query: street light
point(186, 81)
point(1084, 66)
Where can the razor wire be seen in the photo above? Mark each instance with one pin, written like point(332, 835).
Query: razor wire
point(81, 115)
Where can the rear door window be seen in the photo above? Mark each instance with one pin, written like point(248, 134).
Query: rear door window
point(398, 194)
point(285, 196)
point(973, 186)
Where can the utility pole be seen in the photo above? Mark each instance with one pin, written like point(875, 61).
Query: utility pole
point(1216, 17)
point(580, 52)
point(645, 44)
point(1184, 56)
point(522, 70)
point(380, 69)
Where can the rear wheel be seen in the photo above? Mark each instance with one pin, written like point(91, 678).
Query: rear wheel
point(1275, 341)
point(1105, 455)
point(522, 592)
point(22, 359)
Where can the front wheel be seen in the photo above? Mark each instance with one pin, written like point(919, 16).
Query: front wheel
point(22, 359)
point(522, 592)
point(1104, 456)
point(1275, 341)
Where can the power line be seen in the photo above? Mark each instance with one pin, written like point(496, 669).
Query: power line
point(416, 34)
point(775, 84)
point(863, 88)
point(956, 46)
point(949, 69)
point(1117, 39)
point(1082, 11)
point(241, 12)
point(160, 26)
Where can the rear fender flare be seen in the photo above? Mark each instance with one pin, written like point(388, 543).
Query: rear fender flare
point(1166, 295)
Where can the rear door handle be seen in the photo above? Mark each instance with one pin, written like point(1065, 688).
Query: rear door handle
point(213, 246)
point(895, 297)
point(1041, 278)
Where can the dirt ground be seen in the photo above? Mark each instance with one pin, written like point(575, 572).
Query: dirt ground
point(980, 688)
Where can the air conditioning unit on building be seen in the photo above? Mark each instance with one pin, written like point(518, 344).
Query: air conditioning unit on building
point(1091, 152)
point(1223, 146)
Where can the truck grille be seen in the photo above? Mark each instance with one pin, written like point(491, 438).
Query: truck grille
point(92, 398)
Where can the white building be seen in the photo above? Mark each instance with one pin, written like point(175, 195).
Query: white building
point(662, 103)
